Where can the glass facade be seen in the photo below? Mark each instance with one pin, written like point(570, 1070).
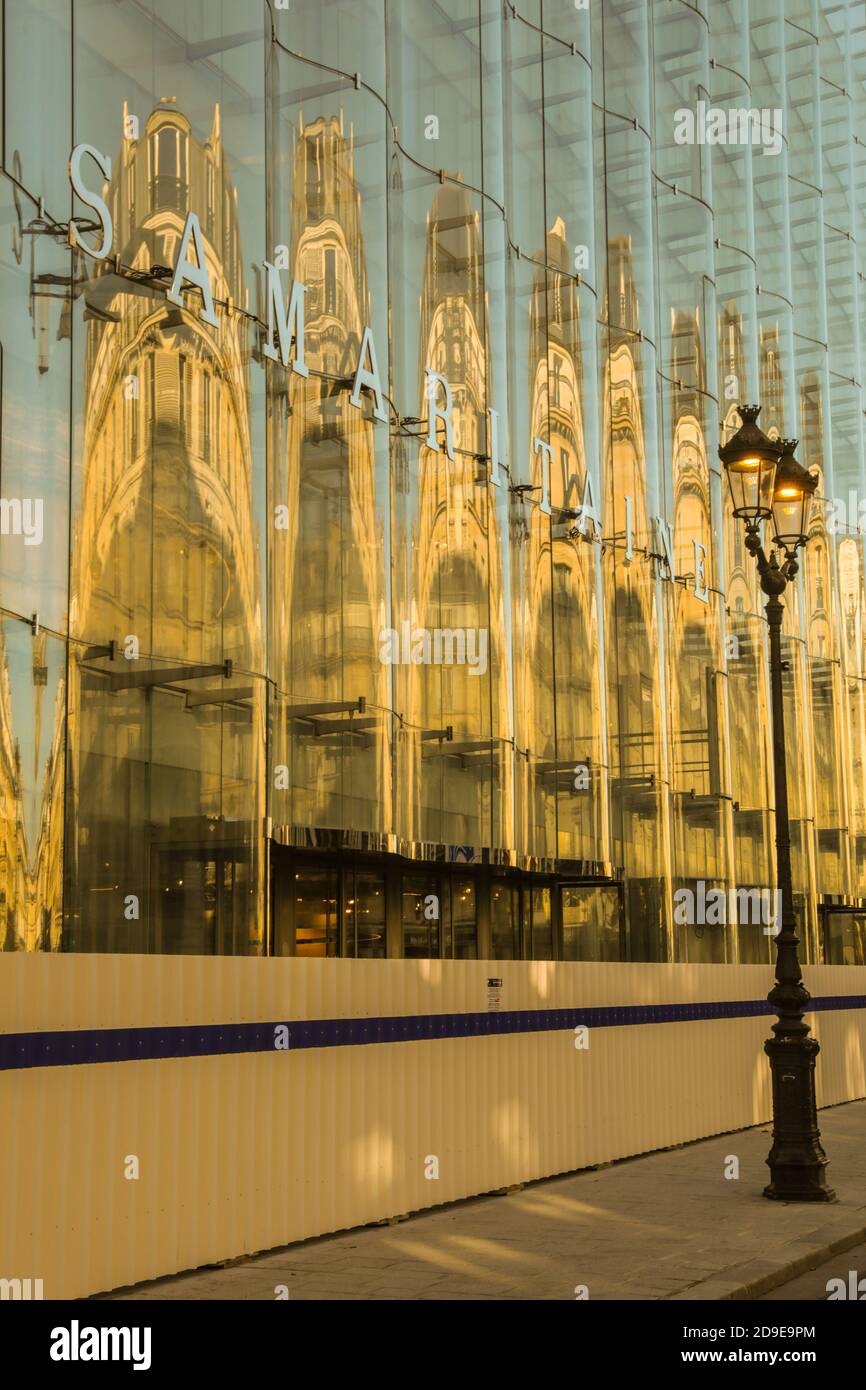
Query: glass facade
point(431, 633)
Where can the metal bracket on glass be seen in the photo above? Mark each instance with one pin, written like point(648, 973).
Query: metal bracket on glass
point(195, 698)
point(562, 768)
point(700, 807)
point(333, 385)
point(404, 420)
point(109, 650)
point(481, 745)
point(170, 675)
point(323, 728)
point(638, 793)
point(319, 728)
point(470, 750)
point(482, 474)
point(175, 317)
point(445, 735)
point(564, 528)
point(326, 707)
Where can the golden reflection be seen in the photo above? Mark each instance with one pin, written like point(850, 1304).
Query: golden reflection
point(457, 578)
point(745, 661)
point(590, 662)
point(850, 570)
point(12, 855)
point(699, 763)
point(799, 730)
point(32, 707)
point(833, 737)
point(166, 795)
point(580, 745)
point(634, 708)
point(531, 604)
point(328, 594)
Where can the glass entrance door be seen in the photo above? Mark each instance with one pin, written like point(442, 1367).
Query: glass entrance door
point(591, 921)
point(202, 905)
point(844, 937)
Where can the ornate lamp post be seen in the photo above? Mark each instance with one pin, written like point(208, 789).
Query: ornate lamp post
point(768, 484)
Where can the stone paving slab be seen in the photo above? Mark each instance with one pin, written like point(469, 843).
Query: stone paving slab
point(667, 1225)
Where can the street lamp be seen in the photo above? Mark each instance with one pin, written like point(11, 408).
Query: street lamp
point(751, 459)
point(769, 485)
point(792, 497)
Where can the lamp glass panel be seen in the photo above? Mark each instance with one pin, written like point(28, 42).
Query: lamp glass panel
point(789, 514)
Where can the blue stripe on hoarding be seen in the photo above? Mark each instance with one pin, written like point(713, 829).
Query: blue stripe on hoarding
point(88, 1045)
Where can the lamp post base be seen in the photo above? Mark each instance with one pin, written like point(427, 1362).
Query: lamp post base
point(797, 1162)
point(799, 1194)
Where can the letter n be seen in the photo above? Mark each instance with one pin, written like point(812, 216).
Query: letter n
point(665, 537)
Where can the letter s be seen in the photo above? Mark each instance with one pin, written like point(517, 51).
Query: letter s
point(91, 200)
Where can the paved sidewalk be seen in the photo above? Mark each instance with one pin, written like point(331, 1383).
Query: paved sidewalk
point(669, 1225)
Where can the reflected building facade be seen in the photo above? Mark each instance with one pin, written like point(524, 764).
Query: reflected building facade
point(165, 776)
point(474, 665)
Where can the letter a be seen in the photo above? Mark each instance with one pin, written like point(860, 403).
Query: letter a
point(684, 129)
point(195, 274)
point(60, 1340)
point(370, 378)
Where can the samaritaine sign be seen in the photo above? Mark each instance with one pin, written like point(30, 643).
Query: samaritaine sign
point(285, 328)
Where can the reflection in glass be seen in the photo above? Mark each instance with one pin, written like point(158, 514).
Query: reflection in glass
point(328, 558)
point(164, 780)
point(505, 921)
point(364, 916)
point(845, 938)
point(32, 692)
point(317, 922)
point(421, 916)
point(590, 923)
point(464, 924)
point(500, 199)
point(541, 929)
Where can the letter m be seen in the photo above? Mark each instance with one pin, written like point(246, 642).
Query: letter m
point(748, 906)
point(115, 1343)
point(740, 124)
point(286, 324)
point(756, 118)
point(452, 644)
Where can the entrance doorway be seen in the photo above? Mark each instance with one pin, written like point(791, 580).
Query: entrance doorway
point(202, 899)
point(844, 935)
point(592, 921)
